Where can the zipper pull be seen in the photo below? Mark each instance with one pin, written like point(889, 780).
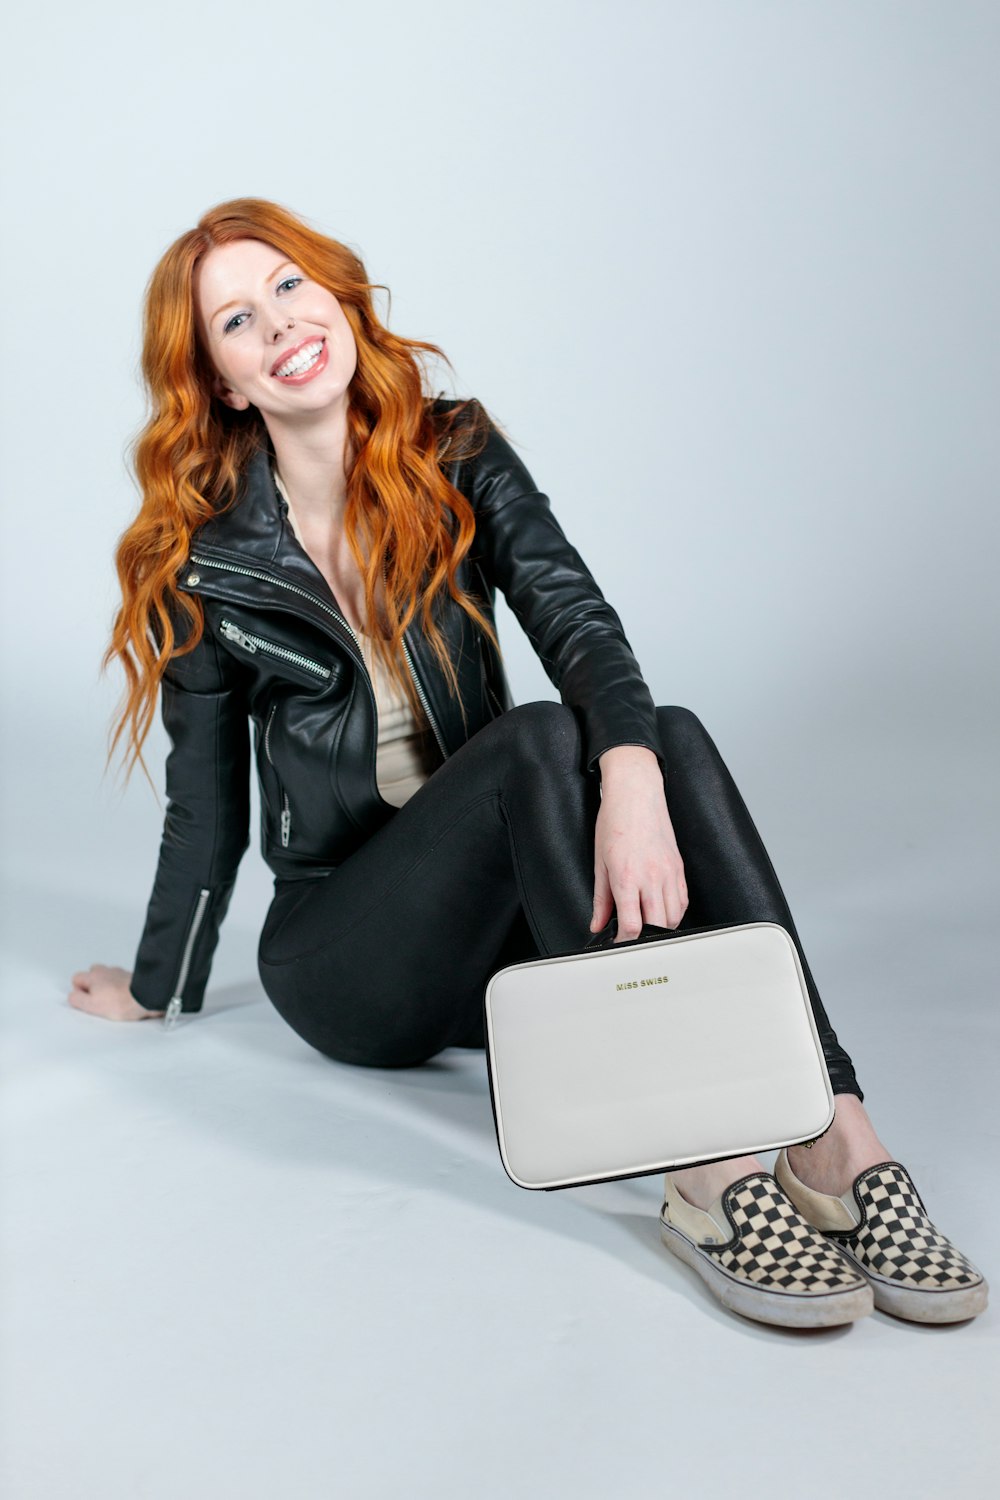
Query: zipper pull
point(234, 633)
point(172, 1013)
point(286, 823)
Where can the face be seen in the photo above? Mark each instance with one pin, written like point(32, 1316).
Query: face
point(247, 293)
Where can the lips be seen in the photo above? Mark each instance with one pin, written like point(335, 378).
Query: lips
point(287, 354)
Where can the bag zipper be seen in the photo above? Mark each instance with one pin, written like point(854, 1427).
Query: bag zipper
point(258, 643)
point(174, 1007)
point(209, 562)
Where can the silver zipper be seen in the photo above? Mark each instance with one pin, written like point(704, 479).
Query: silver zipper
point(174, 1008)
point(209, 562)
point(423, 700)
point(286, 813)
point(258, 643)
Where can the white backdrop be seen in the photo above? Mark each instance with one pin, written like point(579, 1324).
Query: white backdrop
point(727, 272)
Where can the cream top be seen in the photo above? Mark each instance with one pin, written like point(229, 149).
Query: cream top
point(406, 752)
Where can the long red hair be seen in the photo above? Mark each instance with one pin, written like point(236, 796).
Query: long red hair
point(403, 520)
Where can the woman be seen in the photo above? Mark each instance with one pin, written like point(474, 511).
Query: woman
point(318, 549)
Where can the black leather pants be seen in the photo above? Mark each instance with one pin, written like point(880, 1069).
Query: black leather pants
point(384, 961)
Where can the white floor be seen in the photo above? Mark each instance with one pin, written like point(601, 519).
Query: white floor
point(237, 1270)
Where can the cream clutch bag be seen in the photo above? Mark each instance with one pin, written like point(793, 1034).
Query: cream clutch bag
point(668, 1049)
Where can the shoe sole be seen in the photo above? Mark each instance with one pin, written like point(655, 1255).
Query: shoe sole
point(785, 1309)
point(953, 1306)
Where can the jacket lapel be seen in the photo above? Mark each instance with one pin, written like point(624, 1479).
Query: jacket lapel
point(250, 554)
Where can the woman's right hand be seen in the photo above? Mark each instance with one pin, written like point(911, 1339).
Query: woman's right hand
point(103, 990)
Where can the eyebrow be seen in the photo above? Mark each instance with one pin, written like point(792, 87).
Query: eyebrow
point(270, 275)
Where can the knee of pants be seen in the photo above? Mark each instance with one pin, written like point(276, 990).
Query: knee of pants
point(543, 731)
point(679, 726)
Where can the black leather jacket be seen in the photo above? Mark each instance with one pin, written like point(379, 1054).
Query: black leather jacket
point(277, 650)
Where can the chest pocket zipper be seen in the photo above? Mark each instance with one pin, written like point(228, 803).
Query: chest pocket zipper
point(286, 814)
point(254, 643)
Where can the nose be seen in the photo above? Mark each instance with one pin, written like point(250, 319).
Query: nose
point(281, 325)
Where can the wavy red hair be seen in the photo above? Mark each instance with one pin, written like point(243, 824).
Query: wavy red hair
point(403, 519)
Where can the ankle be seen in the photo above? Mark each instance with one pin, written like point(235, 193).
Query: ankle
point(835, 1160)
point(701, 1185)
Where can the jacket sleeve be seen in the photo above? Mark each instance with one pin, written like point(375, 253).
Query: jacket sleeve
point(206, 828)
point(556, 600)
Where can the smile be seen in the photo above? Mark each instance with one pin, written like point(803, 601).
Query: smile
point(303, 361)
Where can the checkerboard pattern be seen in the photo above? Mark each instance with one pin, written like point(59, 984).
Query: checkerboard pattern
point(897, 1240)
point(774, 1246)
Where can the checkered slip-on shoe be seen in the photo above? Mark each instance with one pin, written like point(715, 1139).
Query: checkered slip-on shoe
point(882, 1225)
point(760, 1258)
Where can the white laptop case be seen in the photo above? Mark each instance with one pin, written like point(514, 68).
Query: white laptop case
point(651, 1054)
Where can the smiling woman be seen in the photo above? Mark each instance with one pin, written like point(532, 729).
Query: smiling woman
point(317, 555)
point(271, 299)
point(351, 439)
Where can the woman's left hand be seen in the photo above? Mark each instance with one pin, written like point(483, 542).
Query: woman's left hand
point(638, 870)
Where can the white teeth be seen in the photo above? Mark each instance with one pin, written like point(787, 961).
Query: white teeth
point(305, 357)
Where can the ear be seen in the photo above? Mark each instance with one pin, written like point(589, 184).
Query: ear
point(226, 393)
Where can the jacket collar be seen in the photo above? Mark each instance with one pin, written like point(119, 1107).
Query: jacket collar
point(257, 520)
point(255, 530)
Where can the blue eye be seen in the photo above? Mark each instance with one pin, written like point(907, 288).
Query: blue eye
point(233, 321)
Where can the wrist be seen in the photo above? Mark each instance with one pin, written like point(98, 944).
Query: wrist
point(626, 762)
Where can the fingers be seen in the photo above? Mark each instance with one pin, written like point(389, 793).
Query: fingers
point(661, 905)
point(638, 869)
point(675, 900)
point(90, 993)
point(603, 899)
point(85, 979)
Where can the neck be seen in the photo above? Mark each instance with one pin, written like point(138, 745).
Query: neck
point(312, 462)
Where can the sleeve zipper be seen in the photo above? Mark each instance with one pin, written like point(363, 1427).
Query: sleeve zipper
point(173, 1010)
